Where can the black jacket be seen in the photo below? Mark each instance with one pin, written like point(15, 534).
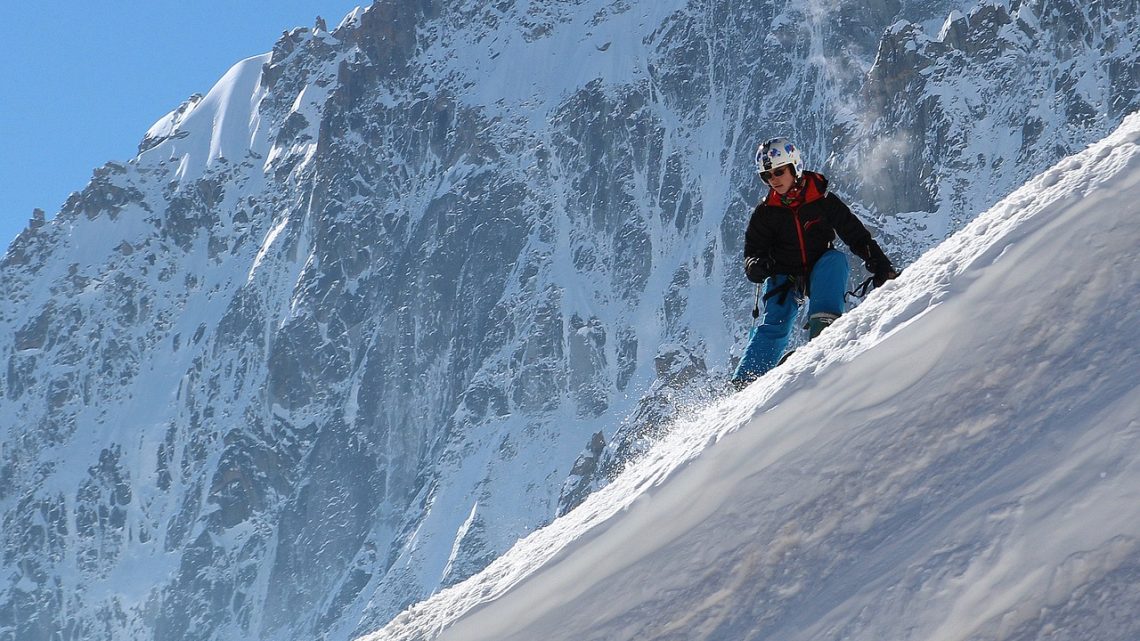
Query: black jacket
point(787, 234)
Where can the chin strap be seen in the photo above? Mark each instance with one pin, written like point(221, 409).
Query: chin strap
point(790, 198)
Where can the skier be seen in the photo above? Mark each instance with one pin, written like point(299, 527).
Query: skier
point(789, 248)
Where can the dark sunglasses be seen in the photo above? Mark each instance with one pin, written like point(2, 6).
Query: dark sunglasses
point(777, 172)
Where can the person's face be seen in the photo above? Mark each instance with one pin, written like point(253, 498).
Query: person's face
point(781, 179)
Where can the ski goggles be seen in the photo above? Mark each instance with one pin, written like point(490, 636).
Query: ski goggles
point(777, 172)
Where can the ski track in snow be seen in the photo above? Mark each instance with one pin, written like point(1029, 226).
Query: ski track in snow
point(972, 476)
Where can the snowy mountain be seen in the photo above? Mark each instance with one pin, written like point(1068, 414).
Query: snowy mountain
point(394, 295)
point(955, 459)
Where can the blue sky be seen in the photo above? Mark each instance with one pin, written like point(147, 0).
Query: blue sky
point(85, 80)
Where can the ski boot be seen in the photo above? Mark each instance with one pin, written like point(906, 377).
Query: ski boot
point(819, 322)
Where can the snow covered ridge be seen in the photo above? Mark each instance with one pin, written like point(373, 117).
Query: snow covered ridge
point(958, 458)
point(223, 124)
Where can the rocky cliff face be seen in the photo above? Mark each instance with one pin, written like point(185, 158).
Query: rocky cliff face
point(391, 296)
point(995, 94)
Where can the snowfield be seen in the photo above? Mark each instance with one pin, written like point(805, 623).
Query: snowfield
point(955, 459)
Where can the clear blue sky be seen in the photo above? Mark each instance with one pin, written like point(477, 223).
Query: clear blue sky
point(84, 81)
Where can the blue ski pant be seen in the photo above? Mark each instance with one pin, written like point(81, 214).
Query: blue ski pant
point(827, 285)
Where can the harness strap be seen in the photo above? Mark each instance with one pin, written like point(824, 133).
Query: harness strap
point(861, 290)
point(783, 290)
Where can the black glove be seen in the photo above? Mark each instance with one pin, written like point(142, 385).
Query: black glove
point(757, 269)
point(882, 275)
point(879, 265)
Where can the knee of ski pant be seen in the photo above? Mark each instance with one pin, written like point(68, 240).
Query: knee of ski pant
point(832, 265)
point(829, 283)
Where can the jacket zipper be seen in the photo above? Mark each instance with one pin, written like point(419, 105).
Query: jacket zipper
point(803, 245)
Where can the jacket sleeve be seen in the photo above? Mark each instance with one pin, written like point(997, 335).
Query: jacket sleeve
point(855, 235)
point(758, 236)
point(758, 262)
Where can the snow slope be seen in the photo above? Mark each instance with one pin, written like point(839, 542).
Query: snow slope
point(955, 459)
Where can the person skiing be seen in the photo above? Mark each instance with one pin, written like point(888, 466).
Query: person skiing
point(789, 248)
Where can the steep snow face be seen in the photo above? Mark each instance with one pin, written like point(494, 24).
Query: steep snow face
point(391, 297)
point(223, 124)
point(955, 459)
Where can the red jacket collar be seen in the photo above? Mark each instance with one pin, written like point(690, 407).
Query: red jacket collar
point(810, 188)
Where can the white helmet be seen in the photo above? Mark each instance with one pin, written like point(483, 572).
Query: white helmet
point(778, 152)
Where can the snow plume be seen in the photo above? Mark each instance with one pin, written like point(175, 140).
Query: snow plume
point(987, 490)
point(836, 66)
point(882, 157)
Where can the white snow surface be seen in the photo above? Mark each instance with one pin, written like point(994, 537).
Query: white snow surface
point(224, 124)
point(954, 459)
